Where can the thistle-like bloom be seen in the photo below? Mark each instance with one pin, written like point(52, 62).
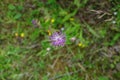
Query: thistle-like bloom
point(57, 39)
point(36, 23)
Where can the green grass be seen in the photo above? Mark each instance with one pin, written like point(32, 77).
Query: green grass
point(94, 55)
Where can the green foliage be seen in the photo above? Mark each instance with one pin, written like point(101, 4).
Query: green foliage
point(11, 7)
point(92, 31)
point(69, 16)
point(115, 38)
point(103, 78)
point(80, 3)
point(17, 16)
point(27, 57)
point(117, 75)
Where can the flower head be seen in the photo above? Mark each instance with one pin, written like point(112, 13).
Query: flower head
point(57, 39)
point(62, 29)
point(73, 39)
point(81, 45)
point(52, 20)
point(48, 49)
point(49, 32)
point(36, 22)
point(22, 35)
point(16, 34)
point(71, 19)
point(115, 13)
point(113, 22)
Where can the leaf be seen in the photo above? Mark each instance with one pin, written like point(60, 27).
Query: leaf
point(112, 66)
point(117, 75)
point(11, 7)
point(20, 8)
point(69, 16)
point(17, 16)
point(62, 12)
point(80, 3)
point(103, 78)
point(115, 38)
point(34, 35)
point(92, 31)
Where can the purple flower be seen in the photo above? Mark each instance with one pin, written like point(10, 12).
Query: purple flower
point(35, 22)
point(57, 39)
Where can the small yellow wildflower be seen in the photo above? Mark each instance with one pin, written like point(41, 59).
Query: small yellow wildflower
point(52, 20)
point(49, 33)
point(16, 34)
point(71, 19)
point(81, 45)
point(22, 35)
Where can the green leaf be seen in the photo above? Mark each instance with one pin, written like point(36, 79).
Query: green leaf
point(34, 34)
point(62, 12)
point(20, 8)
point(115, 38)
point(69, 16)
point(112, 65)
point(103, 78)
point(80, 3)
point(11, 7)
point(92, 31)
point(117, 75)
point(17, 16)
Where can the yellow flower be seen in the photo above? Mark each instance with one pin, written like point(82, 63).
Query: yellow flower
point(16, 34)
point(22, 35)
point(81, 45)
point(71, 19)
point(49, 33)
point(52, 20)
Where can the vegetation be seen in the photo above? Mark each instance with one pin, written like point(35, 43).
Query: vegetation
point(91, 30)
